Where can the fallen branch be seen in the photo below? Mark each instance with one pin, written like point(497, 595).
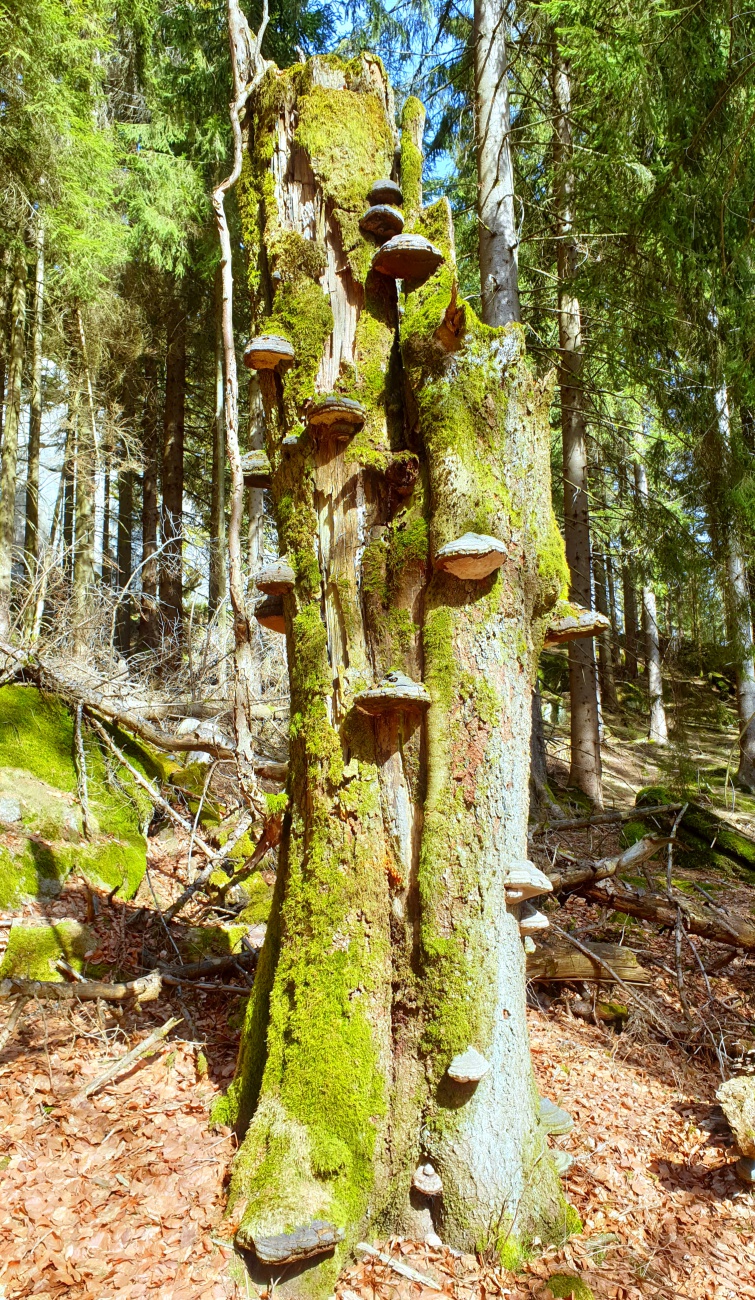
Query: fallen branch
point(269, 838)
point(585, 871)
point(605, 819)
point(211, 854)
point(243, 990)
point(125, 1062)
point(144, 989)
point(734, 931)
point(403, 1270)
point(564, 963)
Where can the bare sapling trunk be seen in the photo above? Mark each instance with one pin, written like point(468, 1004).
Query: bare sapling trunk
point(148, 619)
point(218, 578)
point(658, 729)
point(739, 618)
point(9, 459)
point(31, 525)
point(495, 173)
point(248, 67)
point(401, 426)
point(171, 565)
point(585, 772)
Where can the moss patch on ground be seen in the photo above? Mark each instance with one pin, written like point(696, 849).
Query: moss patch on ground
point(34, 949)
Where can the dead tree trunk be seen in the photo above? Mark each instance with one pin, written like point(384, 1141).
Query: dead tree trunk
point(8, 464)
point(585, 771)
point(495, 172)
point(400, 427)
point(171, 566)
point(31, 525)
point(218, 575)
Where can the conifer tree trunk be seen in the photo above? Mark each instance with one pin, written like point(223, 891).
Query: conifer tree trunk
point(69, 481)
point(585, 771)
point(738, 615)
point(124, 555)
point(658, 729)
point(5, 291)
point(86, 485)
point(31, 527)
point(171, 566)
point(498, 239)
point(148, 620)
point(390, 949)
point(9, 460)
point(608, 695)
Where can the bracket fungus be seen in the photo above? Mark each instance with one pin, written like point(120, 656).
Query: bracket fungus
point(468, 1067)
point(563, 1161)
point(286, 1247)
point(256, 469)
point(276, 578)
point(385, 191)
point(340, 417)
point(554, 1119)
point(382, 222)
point(525, 880)
point(427, 1181)
point(408, 257)
point(530, 920)
point(268, 352)
point(269, 614)
point(395, 692)
point(472, 556)
point(569, 621)
point(529, 945)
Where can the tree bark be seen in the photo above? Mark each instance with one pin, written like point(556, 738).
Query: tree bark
point(218, 573)
point(9, 460)
point(389, 950)
point(86, 469)
point(171, 564)
point(585, 772)
point(658, 729)
point(31, 527)
point(125, 546)
point(5, 290)
point(738, 617)
point(495, 172)
point(608, 694)
point(148, 614)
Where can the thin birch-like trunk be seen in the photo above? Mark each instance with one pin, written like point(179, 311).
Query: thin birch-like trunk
point(148, 614)
point(125, 546)
point(605, 646)
point(171, 566)
point(86, 485)
point(31, 526)
point(495, 173)
point(585, 771)
point(218, 568)
point(9, 457)
point(658, 729)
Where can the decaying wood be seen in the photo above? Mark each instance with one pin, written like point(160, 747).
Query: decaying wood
point(125, 1062)
point(146, 988)
point(403, 1270)
point(562, 962)
point(585, 871)
point(735, 930)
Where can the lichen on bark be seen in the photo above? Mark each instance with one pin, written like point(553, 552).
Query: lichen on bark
point(389, 947)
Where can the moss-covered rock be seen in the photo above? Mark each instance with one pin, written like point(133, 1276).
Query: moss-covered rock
point(42, 838)
point(565, 1285)
point(33, 950)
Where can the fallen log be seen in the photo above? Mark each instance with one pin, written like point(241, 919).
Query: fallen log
point(734, 930)
point(146, 988)
point(584, 871)
point(706, 832)
point(562, 963)
point(605, 818)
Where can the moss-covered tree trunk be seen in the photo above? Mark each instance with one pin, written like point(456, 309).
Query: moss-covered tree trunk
point(391, 948)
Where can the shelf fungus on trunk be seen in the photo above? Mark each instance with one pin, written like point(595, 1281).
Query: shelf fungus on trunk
point(472, 556)
point(563, 1162)
point(427, 1180)
point(269, 614)
point(276, 578)
point(525, 880)
point(385, 191)
point(269, 352)
point(468, 1067)
point(530, 920)
point(382, 222)
point(256, 469)
point(554, 1119)
point(287, 1247)
point(395, 692)
point(338, 417)
point(408, 257)
point(569, 621)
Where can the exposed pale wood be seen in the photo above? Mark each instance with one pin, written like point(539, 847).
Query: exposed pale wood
point(561, 962)
point(736, 930)
point(584, 871)
point(604, 819)
point(144, 989)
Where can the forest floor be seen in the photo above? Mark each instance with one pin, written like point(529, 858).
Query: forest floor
point(122, 1195)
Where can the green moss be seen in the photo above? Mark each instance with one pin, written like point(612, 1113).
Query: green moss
point(411, 157)
point(564, 1285)
point(301, 314)
point(551, 566)
point(260, 895)
point(33, 950)
point(630, 833)
point(276, 803)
